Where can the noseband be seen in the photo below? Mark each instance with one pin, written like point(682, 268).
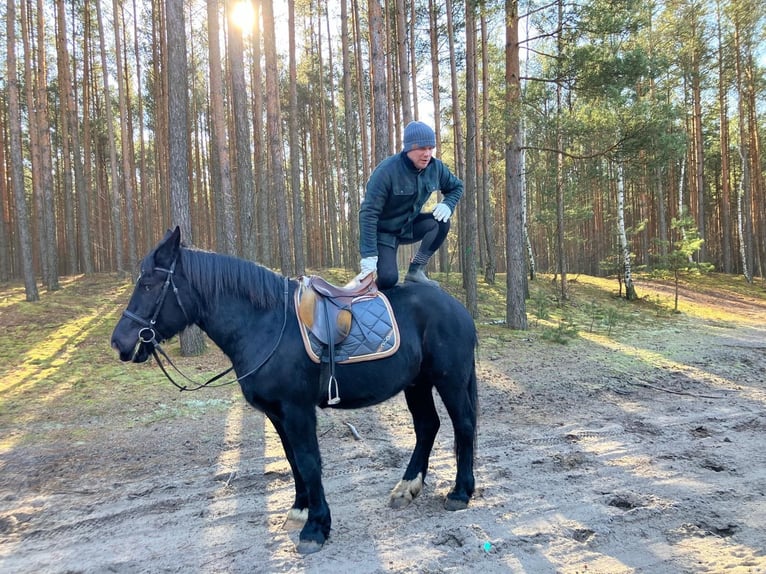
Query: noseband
point(148, 334)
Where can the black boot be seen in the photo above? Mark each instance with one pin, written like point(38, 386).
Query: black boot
point(417, 274)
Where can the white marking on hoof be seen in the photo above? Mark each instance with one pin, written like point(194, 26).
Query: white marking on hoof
point(296, 518)
point(406, 491)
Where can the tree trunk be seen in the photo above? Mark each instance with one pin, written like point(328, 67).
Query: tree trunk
point(515, 304)
point(380, 147)
point(126, 141)
point(299, 247)
point(144, 231)
point(699, 158)
point(756, 216)
point(116, 202)
point(469, 231)
point(744, 223)
point(243, 158)
point(222, 186)
point(7, 253)
point(40, 142)
point(560, 230)
point(723, 131)
point(630, 290)
point(71, 128)
point(192, 339)
point(275, 147)
point(402, 55)
point(350, 136)
point(365, 156)
point(17, 163)
point(334, 217)
point(487, 222)
point(457, 118)
point(262, 195)
point(433, 19)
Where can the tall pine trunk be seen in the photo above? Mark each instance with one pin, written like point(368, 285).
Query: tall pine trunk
point(192, 339)
point(17, 163)
point(274, 139)
point(515, 305)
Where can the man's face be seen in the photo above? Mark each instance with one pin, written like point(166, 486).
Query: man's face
point(420, 156)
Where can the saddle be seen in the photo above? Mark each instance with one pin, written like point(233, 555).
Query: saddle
point(344, 324)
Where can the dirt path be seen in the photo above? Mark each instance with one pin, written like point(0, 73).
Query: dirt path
point(635, 453)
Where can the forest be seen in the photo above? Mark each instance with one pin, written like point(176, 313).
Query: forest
point(593, 136)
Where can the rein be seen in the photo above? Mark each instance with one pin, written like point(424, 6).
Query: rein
point(157, 350)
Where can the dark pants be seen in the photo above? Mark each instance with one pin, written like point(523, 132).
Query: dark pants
point(426, 229)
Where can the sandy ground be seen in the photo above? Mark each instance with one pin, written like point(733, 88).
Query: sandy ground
point(638, 452)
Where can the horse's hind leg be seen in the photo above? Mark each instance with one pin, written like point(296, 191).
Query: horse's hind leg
point(461, 404)
point(425, 419)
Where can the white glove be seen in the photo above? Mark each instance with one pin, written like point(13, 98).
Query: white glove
point(368, 265)
point(442, 212)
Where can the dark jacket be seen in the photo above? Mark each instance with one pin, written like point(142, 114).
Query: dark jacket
point(396, 192)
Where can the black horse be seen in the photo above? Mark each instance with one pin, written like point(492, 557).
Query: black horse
point(244, 309)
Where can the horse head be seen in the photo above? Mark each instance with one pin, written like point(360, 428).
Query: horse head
point(160, 304)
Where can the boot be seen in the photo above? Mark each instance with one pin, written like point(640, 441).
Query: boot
point(417, 274)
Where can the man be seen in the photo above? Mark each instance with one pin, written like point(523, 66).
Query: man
point(391, 212)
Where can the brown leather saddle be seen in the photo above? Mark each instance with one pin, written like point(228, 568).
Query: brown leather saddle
point(344, 324)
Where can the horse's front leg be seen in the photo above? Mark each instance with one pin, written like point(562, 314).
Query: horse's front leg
point(298, 433)
point(300, 509)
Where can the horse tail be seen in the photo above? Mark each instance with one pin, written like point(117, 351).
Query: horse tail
point(473, 399)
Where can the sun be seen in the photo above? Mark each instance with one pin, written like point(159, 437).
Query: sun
point(243, 16)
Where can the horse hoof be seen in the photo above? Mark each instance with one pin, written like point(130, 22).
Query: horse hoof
point(308, 547)
point(454, 504)
point(399, 502)
point(405, 492)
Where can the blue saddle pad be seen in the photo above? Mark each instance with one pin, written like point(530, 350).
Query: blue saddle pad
point(374, 334)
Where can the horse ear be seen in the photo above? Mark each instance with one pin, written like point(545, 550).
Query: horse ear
point(168, 248)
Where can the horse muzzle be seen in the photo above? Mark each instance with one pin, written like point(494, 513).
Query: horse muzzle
point(138, 352)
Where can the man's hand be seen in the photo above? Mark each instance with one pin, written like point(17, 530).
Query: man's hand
point(442, 212)
point(368, 265)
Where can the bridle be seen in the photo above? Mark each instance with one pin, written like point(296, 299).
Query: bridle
point(148, 334)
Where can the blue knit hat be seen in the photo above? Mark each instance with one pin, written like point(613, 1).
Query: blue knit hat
point(418, 134)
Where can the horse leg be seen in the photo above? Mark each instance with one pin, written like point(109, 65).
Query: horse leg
point(299, 511)
point(461, 404)
point(425, 419)
point(299, 436)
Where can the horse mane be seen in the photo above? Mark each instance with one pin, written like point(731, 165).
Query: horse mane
point(215, 275)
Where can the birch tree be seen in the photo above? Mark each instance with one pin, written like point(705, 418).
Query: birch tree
point(630, 289)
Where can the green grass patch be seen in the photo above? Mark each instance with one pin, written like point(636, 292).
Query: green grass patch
point(57, 368)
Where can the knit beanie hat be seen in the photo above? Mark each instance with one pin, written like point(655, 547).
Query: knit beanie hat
point(418, 134)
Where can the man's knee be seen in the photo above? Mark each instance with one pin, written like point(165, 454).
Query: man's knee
point(387, 278)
